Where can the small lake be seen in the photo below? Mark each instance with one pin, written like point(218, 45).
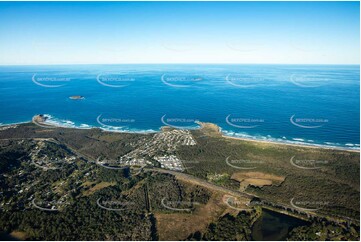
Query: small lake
point(274, 226)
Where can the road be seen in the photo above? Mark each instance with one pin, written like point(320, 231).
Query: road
point(201, 182)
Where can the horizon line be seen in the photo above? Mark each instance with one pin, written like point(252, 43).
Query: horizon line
point(72, 64)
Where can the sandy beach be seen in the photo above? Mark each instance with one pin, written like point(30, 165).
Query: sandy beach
point(213, 130)
point(290, 144)
point(216, 130)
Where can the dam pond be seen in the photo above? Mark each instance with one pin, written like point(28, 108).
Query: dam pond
point(273, 226)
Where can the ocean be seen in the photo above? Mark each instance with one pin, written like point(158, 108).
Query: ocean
point(301, 104)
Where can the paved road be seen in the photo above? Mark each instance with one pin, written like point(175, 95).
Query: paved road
point(201, 182)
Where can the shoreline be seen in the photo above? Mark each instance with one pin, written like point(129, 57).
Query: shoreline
point(54, 125)
point(218, 130)
point(202, 126)
point(315, 146)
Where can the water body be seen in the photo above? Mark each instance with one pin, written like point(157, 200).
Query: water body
point(302, 104)
point(273, 226)
point(7, 237)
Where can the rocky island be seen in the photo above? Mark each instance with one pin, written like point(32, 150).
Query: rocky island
point(77, 97)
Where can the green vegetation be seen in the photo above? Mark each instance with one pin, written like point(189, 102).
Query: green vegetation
point(219, 179)
point(55, 169)
point(335, 182)
point(229, 227)
point(325, 231)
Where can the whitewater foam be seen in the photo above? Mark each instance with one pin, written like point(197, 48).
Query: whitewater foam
point(295, 141)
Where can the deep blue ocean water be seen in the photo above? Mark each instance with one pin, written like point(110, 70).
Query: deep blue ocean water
point(313, 104)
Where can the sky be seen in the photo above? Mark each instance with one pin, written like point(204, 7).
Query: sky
point(33, 33)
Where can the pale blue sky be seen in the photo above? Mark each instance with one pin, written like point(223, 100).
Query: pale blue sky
point(179, 32)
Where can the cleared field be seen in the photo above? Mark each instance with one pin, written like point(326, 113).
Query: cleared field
point(19, 235)
point(258, 179)
point(178, 226)
point(96, 187)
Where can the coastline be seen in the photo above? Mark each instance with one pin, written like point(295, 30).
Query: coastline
point(218, 130)
point(315, 146)
point(203, 125)
point(50, 125)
